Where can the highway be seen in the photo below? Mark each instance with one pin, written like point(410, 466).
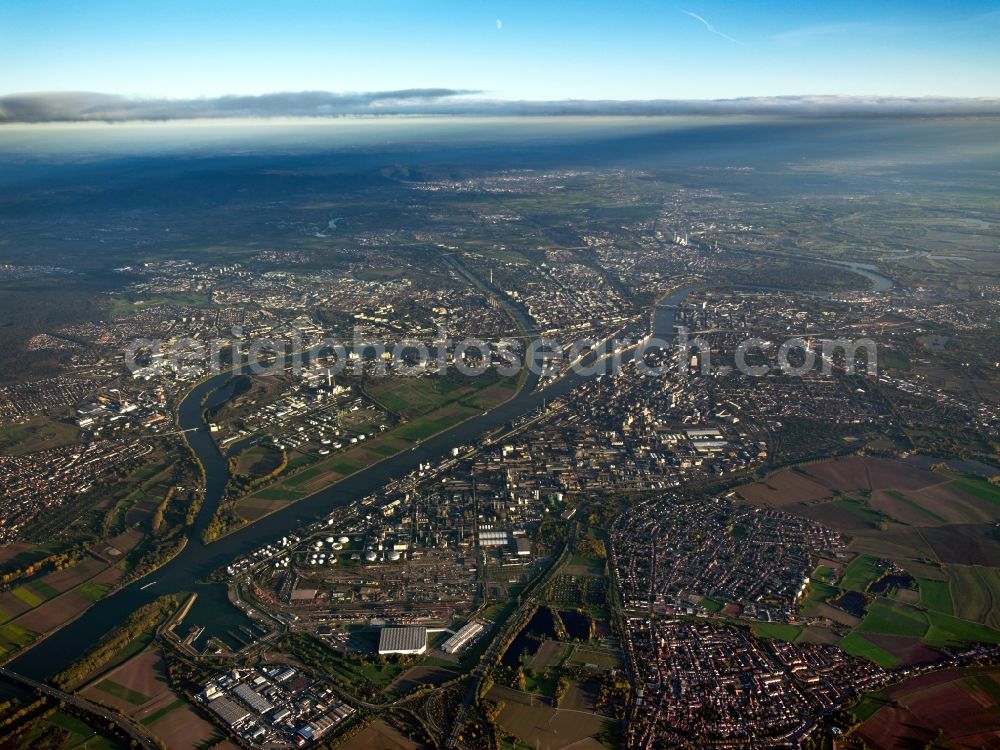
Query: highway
point(133, 730)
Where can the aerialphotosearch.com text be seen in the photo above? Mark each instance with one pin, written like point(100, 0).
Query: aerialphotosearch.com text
point(683, 354)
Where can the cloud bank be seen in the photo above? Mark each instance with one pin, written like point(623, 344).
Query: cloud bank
point(80, 106)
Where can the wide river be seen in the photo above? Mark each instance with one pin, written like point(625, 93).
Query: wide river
point(197, 561)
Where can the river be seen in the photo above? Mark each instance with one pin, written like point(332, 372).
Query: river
point(197, 561)
point(880, 283)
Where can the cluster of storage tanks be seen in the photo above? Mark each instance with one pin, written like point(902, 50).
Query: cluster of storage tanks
point(372, 554)
point(318, 554)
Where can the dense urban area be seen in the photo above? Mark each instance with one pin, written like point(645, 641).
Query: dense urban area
point(740, 486)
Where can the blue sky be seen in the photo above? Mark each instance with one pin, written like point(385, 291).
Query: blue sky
point(508, 50)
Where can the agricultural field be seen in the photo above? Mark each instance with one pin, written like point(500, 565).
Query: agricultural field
point(36, 434)
point(318, 476)
point(426, 425)
point(975, 593)
point(786, 487)
point(935, 595)
point(951, 708)
point(551, 653)
point(888, 617)
point(937, 527)
point(776, 631)
point(379, 736)
point(857, 645)
point(536, 723)
point(413, 397)
point(139, 689)
point(601, 657)
point(37, 606)
point(844, 476)
point(861, 573)
point(258, 461)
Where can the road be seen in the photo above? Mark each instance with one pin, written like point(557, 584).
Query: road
point(131, 729)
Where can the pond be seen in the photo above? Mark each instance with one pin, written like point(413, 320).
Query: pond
point(889, 582)
point(577, 624)
point(541, 625)
point(851, 602)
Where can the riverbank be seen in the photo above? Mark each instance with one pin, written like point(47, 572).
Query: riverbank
point(198, 560)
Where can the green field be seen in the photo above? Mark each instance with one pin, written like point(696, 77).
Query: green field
point(933, 627)
point(539, 684)
point(860, 509)
point(120, 306)
point(590, 655)
point(987, 684)
point(869, 704)
point(498, 613)
point(377, 274)
point(823, 573)
point(120, 691)
point(93, 590)
point(16, 635)
point(816, 593)
point(81, 735)
point(862, 572)
point(303, 476)
point(778, 631)
point(857, 645)
point(432, 404)
point(40, 433)
point(979, 488)
point(13, 637)
point(422, 428)
point(893, 618)
point(28, 597)
point(297, 461)
point(43, 589)
point(258, 460)
point(346, 467)
point(11, 435)
point(894, 359)
point(950, 631)
point(351, 673)
point(973, 590)
point(412, 397)
point(281, 494)
point(935, 595)
point(594, 564)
